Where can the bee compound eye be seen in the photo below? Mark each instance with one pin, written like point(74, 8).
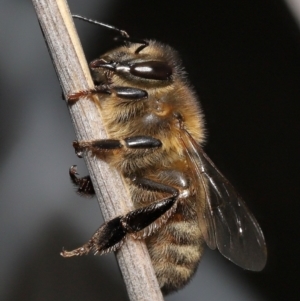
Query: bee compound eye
point(152, 70)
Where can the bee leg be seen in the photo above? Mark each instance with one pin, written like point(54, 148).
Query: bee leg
point(150, 185)
point(84, 185)
point(111, 235)
point(74, 97)
point(130, 93)
point(105, 88)
point(96, 146)
point(154, 224)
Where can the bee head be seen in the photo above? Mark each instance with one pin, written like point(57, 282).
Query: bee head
point(145, 61)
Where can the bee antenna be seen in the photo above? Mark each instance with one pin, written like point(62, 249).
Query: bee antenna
point(123, 33)
point(124, 36)
point(143, 43)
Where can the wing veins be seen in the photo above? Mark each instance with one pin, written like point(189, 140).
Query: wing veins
point(225, 220)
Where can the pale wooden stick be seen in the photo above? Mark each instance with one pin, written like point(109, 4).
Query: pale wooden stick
point(68, 58)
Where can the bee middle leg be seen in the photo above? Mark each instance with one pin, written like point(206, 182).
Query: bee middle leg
point(101, 145)
point(84, 185)
point(139, 223)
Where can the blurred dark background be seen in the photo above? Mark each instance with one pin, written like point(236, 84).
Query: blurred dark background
point(243, 59)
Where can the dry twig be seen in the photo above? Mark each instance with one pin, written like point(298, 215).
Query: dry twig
point(68, 58)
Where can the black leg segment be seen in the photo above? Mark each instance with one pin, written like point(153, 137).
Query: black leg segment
point(150, 185)
point(136, 142)
point(110, 236)
point(96, 146)
point(106, 144)
point(130, 93)
point(139, 219)
point(142, 142)
point(84, 185)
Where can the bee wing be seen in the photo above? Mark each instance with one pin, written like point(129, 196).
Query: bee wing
point(231, 226)
point(205, 216)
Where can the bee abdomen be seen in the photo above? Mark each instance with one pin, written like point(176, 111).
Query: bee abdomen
point(175, 252)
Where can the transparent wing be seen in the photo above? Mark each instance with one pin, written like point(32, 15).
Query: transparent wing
point(201, 189)
point(224, 218)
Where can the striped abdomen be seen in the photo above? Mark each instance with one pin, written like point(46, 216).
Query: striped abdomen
point(176, 249)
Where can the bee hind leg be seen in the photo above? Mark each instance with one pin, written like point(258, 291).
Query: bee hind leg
point(139, 223)
point(109, 237)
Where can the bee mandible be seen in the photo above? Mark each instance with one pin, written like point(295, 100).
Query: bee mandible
point(181, 200)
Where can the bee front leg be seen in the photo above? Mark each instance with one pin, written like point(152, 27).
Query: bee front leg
point(103, 88)
point(74, 97)
point(139, 223)
point(128, 93)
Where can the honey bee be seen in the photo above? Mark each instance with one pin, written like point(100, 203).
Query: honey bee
point(156, 129)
